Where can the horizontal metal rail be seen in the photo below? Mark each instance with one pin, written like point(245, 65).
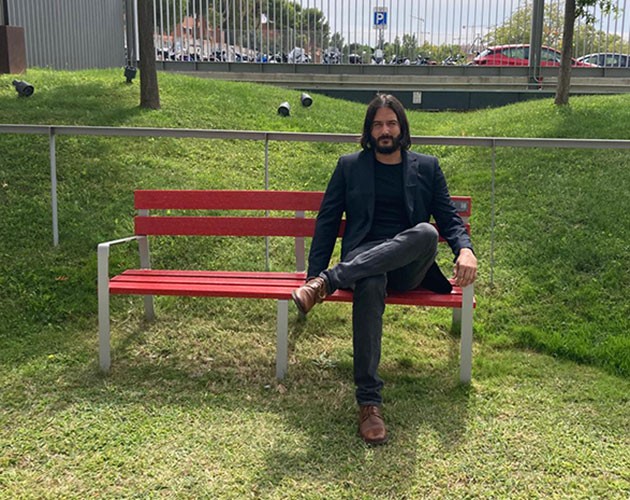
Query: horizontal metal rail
point(253, 135)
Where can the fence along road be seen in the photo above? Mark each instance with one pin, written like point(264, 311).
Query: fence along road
point(266, 137)
point(449, 31)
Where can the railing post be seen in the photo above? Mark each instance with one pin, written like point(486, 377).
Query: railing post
point(53, 185)
point(492, 211)
point(266, 188)
point(535, 43)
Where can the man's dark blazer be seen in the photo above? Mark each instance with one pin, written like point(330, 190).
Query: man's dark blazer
point(351, 190)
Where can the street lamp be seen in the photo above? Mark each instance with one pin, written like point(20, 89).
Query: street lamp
point(478, 39)
point(418, 32)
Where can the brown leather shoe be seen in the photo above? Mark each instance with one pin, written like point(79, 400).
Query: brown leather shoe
point(371, 425)
point(311, 293)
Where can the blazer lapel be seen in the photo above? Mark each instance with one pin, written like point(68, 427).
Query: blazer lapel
point(366, 180)
point(410, 180)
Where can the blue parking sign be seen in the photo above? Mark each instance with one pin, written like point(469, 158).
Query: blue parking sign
point(380, 17)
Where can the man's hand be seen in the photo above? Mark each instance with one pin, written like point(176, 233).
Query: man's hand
point(465, 270)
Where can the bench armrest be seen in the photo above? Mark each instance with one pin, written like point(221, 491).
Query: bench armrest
point(103, 258)
point(121, 240)
point(103, 292)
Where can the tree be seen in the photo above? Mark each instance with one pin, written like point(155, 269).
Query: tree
point(337, 41)
point(517, 28)
point(572, 10)
point(149, 91)
point(410, 46)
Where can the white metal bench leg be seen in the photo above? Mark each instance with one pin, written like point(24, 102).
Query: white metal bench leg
point(104, 355)
point(149, 312)
point(465, 355)
point(145, 263)
point(457, 319)
point(282, 341)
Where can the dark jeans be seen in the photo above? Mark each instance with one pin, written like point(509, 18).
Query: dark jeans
point(399, 263)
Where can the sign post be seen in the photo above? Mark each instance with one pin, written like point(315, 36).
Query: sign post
point(379, 22)
point(380, 18)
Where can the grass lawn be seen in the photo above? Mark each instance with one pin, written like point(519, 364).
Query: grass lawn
point(191, 408)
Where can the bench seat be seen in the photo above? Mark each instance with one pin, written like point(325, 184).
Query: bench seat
point(254, 285)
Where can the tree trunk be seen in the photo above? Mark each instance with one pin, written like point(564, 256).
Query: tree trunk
point(564, 75)
point(149, 91)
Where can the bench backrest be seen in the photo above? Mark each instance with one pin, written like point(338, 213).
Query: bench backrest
point(297, 202)
point(260, 224)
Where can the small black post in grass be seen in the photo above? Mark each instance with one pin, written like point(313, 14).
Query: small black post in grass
point(24, 89)
point(306, 100)
point(284, 109)
point(130, 73)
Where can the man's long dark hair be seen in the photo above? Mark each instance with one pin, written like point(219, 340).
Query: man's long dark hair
point(386, 101)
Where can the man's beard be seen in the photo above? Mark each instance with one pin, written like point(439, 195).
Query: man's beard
point(386, 150)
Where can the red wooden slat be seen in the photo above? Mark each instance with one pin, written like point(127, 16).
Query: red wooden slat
point(228, 200)
point(200, 290)
point(242, 284)
point(203, 273)
point(413, 298)
point(210, 280)
point(243, 200)
point(224, 226)
point(279, 293)
point(229, 226)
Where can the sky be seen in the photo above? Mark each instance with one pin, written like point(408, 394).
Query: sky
point(437, 21)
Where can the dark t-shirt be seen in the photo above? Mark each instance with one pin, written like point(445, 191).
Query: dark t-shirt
point(390, 216)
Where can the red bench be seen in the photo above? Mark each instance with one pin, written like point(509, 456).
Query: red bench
point(262, 285)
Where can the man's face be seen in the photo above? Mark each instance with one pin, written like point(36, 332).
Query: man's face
point(385, 136)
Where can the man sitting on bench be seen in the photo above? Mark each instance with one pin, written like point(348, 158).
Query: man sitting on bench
point(388, 194)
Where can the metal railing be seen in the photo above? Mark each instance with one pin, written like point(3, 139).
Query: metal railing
point(449, 32)
point(52, 131)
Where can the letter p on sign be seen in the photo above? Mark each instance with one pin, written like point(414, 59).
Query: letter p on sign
point(380, 17)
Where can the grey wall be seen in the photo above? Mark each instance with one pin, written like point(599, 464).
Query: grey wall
point(71, 34)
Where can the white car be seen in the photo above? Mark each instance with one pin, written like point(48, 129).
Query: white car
point(607, 60)
point(298, 56)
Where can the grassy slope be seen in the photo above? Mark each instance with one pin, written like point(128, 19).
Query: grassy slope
point(180, 403)
point(561, 237)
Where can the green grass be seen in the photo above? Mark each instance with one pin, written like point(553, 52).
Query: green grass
point(191, 408)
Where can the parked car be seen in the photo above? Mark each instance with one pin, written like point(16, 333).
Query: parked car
point(332, 55)
point(378, 57)
point(607, 60)
point(454, 60)
point(355, 59)
point(396, 59)
point(298, 56)
point(422, 60)
point(518, 55)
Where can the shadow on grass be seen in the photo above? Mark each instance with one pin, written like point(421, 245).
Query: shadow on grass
point(308, 426)
point(332, 453)
point(76, 104)
point(301, 434)
point(314, 417)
